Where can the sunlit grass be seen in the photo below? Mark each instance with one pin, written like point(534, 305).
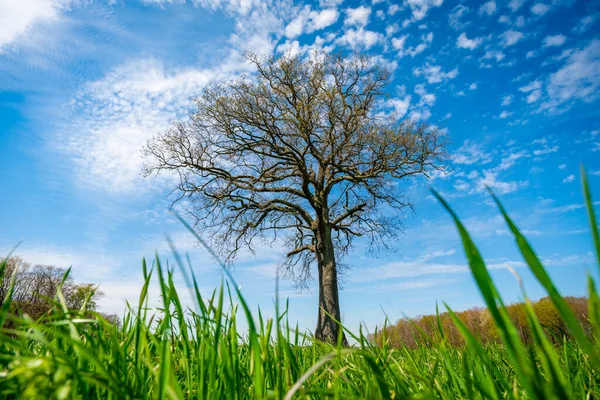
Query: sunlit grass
point(199, 353)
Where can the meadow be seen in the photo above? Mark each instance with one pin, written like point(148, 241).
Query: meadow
point(199, 353)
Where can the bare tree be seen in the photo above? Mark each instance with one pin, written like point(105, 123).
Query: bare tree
point(20, 289)
point(301, 150)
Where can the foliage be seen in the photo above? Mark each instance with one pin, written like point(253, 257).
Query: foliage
point(176, 353)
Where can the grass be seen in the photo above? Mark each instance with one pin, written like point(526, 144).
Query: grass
point(174, 352)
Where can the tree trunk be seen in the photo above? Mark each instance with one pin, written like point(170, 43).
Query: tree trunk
point(329, 304)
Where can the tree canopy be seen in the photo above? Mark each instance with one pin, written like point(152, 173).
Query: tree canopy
point(35, 288)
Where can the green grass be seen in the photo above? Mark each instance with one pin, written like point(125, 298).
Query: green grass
point(174, 352)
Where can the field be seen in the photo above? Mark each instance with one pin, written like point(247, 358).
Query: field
point(180, 353)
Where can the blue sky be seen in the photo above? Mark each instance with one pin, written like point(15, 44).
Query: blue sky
point(516, 84)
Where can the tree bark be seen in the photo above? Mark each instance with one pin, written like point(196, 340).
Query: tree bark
point(329, 304)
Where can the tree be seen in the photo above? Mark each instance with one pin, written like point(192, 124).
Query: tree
point(302, 150)
point(36, 286)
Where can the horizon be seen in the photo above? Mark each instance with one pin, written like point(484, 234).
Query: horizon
point(515, 85)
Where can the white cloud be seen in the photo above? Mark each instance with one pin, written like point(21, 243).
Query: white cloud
point(515, 4)
point(505, 114)
point(296, 27)
point(510, 37)
point(473, 86)
point(308, 21)
point(461, 185)
point(488, 8)
point(405, 286)
point(18, 17)
point(506, 100)
point(490, 180)
point(332, 3)
point(534, 91)
point(471, 153)
point(562, 209)
point(575, 259)
point(520, 21)
point(240, 8)
point(454, 19)
point(358, 16)
point(434, 73)
point(562, 166)
point(534, 96)
point(569, 179)
point(399, 44)
point(391, 29)
point(531, 86)
point(563, 55)
point(290, 47)
point(424, 266)
point(586, 22)
point(465, 43)
point(400, 106)
point(407, 269)
point(420, 8)
point(115, 116)
point(540, 8)
point(360, 38)
point(578, 79)
point(495, 54)
point(435, 254)
point(420, 114)
point(510, 160)
point(554, 40)
point(473, 175)
point(393, 9)
point(421, 47)
point(323, 19)
point(527, 232)
point(545, 150)
point(427, 99)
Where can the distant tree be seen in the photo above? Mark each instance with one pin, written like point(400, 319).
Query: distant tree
point(11, 264)
point(36, 286)
point(300, 150)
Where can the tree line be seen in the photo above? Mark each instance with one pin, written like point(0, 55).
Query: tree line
point(36, 286)
point(414, 332)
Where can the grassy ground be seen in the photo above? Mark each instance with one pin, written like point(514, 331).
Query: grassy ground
point(179, 353)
